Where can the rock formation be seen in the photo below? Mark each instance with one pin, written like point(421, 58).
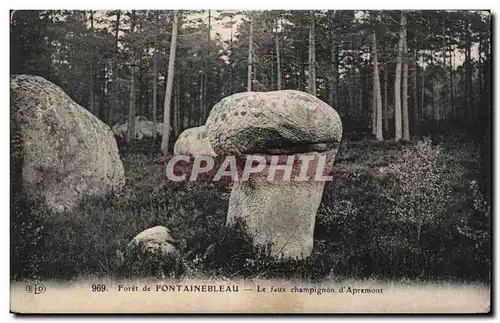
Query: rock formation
point(143, 128)
point(63, 152)
point(284, 123)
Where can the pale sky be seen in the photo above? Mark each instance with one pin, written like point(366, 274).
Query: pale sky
point(225, 32)
point(218, 26)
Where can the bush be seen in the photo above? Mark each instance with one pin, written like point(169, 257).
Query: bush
point(26, 238)
point(393, 210)
point(405, 211)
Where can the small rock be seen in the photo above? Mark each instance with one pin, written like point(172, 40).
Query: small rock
point(156, 240)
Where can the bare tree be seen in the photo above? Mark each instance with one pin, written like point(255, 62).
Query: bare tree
point(377, 95)
point(334, 69)
point(91, 81)
point(278, 61)
point(250, 55)
point(114, 93)
point(155, 91)
point(422, 91)
point(374, 106)
point(406, 122)
point(231, 56)
point(452, 86)
point(312, 57)
point(416, 115)
point(445, 93)
point(200, 118)
point(170, 82)
point(469, 104)
point(397, 82)
point(176, 113)
point(386, 100)
point(131, 108)
point(205, 75)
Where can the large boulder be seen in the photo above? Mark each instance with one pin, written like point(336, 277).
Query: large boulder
point(63, 152)
point(143, 128)
point(282, 213)
point(272, 122)
point(193, 142)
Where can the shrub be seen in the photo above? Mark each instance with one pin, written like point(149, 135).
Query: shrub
point(405, 211)
point(393, 210)
point(418, 189)
point(27, 231)
point(139, 262)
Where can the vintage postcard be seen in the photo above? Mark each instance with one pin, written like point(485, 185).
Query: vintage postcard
point(264, 161)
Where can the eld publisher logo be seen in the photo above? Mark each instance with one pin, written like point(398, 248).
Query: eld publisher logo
point(36, 288)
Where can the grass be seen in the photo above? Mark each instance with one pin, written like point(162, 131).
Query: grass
point(354, 237)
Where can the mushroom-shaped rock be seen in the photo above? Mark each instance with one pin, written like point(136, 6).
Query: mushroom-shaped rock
point(156, 240)
point(284, 123)
point(193, 142)
point(143, 128)
point(65, 153)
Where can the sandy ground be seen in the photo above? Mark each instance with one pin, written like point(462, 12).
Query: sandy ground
point(256, 296)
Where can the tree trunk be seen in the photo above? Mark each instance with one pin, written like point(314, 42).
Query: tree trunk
point(406, 119)
point(202, 91)
point(312, 57)
point(334, 70)
point(100, 96)
point(302, 73)
point(155, 91)
point(170, 82)
point(397, 82)
point(206, 72)
point(176, 115)
point(186, 123)
point(352, 103)
point(209, 28)
point(377, 93)
point(468, 75)
point(374, 101)
point(416, 118)
point(422, 104)
point(335, 74)
point(250, 56)
point(435, 107)
point(131, 109)
point(480, 74)
point(91, 81)
point(115, 102)
point(386, 100)
point(140, 105)
point(278, 61)
point(231, 59)
point(452, 86)
point(361, 90)
point(446, 101)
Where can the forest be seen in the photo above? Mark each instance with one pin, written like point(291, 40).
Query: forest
point(381, 70)
point(413, 90)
